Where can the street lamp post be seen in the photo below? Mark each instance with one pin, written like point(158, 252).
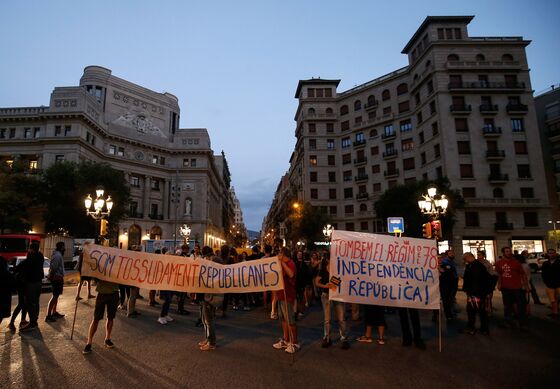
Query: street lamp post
point(327, 231)
point(553, 222)
point(433, 206)
point(99, 209)
point(185, 233)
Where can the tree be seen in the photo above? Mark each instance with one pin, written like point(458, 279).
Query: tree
point(19, 192)
point(306, 223)
point(402, 201)
point(66, 185)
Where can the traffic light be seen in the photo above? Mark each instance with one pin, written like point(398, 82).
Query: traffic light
point(427, 230)
point(103, 229)
point(436, 229)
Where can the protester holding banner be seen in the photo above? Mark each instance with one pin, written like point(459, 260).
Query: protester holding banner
point(323, 283)
point(374, 315)
point(210, 302)
point(286, 299)
point(107, 299)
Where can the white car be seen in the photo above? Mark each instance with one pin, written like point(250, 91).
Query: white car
point(46, 266)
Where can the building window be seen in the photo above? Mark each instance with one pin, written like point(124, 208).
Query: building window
point(498, 193)
point(439, 172)
point(385, 95)
point(517, 125)
point(464, 147)
point(133, 208)
point(27, 133)
point(155, 184)
point(436, 151)
point(154, 210)
point(387, 110)
point(332, 176)
point(466, 171)
point(347, 175)
point(313, 160)
point(376, 187)
point(374, 150)
point(421, 137)
point(404, 106)
point(330, 144)
point(312, 128)
point(349, 226)
point(364, 226)
point(120, 151)
point(360, 138)
point(332, 210)
point(375, 169)
point(348, 193)
point(344, 126)
point(507, 58)
point(155, 159)
point(2, 133)
point(419, 117)
point(193, 162)
point(59, 158)
point(432, 107)
point(346, 142)
point(330, 160)
point(332, 194)
point(531, 219)
point(135, 181)
point(36, 132)
point(346, 159)
point(313, 176)
point(314, 193)
point(344, 110)
point(388, 130)
point(520, 147)
point(57, 130)
point(407, 144)
point(471, 219)
point(186, 162)
point(357, 105)
point(423, 158)
point(330, 127)
point(527, 193)
point(402, 89)
point(435, 129)
point(12, 133)
point(408, 163)
point(112, 149)
point(406, 125)
point(310, 92)
point(469, 192)
point(523, 171)
point(312, 144)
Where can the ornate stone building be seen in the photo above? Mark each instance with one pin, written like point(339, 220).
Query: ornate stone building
point(462, 108)
point(174, 176)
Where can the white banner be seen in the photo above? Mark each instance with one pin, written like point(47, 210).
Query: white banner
point(384, 270)
point(181, 274)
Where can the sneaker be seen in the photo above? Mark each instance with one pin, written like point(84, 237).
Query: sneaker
point(161, 320)
point(292, 348)
point(207, 347)
point(202, 342)
point(280, 344)
point(108, 343)
point(345, 345)
point(326, 342)
point(87, 349)
point(381, 341)
point(168, 318)
point(365, 339)
point(58, 315)
point(50, 319)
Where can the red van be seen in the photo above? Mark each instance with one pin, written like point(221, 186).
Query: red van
point(14, 245)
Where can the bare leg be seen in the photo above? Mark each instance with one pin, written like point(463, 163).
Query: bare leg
point(92, 330)
point(108, 328)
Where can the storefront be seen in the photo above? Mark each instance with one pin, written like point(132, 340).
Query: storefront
point(487, 245)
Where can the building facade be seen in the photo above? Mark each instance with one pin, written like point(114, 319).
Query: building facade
point(461, 109)
point(174, 176)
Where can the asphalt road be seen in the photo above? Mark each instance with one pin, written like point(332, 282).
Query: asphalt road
point(150, 355)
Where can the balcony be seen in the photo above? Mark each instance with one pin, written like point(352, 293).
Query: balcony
point(488, 108)
point(460, 108)
point(391, 173)
point(347, 178)
point(486, 85)
point(517, 108)
point(388, 136)
point(360, 160)
point(362, 196)
point(495, 154)
point(498, 178)
point(359, 143)
point(361, 177)
point(491, 131)
point(503, 226)
point(369, 106)
point(155, 217)
point(391, 153)
point(136, 215)
point(482, 65)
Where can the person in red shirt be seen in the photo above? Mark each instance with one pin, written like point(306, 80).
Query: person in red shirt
point(513, 284)
point(286, 299)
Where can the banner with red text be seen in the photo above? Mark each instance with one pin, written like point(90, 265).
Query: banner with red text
point(384, 270)
point(181, 274)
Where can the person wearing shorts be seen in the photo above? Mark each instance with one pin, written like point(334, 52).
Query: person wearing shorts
point(107, 300)
point(56, 276)
point(286, 299)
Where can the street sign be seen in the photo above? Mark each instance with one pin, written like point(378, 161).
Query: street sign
point(395, 225)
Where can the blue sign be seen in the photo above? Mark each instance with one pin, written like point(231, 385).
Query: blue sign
point(395, 225)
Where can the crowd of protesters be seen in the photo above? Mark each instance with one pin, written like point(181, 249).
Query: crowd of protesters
point(307, 281)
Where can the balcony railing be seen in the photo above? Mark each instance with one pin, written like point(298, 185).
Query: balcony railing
point(155, 217)
point(359, 142)
point(488, 108)
point(461, 108)
point(391, 173)
point(390, 153)
point(360, 160)
point(361, 177)
point(503, 226)
point(389, 135)
point(136, 215)
point(372, 105)
point(491, 130)
point(346, 178)
point(498, 177)
point(495, 153)
point(517, 108)
point(362, 196)
point(486, 85)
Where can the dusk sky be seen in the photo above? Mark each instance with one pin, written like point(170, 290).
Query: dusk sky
point(235, 65)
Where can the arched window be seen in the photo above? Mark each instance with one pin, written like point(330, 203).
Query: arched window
point(363, 207)
point(371, 100)
point(311, 111)
point(188, 206)
point(480, 57)
point(329, 111)
point(357, 105)
point(134, 236)
point(373, 133)
point(385, 95)
point(401, 89)
point(155, 233)
point(452, 57)
point(498, 193)
point(507, 58)
point(344, 110)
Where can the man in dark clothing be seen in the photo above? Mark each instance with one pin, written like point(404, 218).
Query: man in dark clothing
point(551, 278)
point(448, 283)
point(32, 272)
point(476, 281)
point(407, 336)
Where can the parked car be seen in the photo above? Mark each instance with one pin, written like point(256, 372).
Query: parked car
point(535, 261)
point(46, 266)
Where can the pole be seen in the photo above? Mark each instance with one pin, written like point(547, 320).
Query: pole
point(439, 325)
point(74, 321)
